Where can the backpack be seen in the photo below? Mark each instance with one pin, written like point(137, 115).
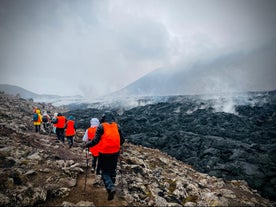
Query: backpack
point(54, 120)
point(44, 118)
point(35, 117)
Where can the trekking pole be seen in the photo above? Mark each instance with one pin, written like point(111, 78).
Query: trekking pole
point(84, 190)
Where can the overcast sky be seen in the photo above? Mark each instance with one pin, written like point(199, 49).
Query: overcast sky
point(92, 48)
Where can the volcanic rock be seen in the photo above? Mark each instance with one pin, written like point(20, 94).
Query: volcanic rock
point(46, 173)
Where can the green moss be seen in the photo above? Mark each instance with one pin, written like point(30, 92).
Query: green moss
point(24, 162)
point(190, 198)
point(172, 186)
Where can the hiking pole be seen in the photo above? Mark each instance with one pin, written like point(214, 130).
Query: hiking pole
point(84, 190)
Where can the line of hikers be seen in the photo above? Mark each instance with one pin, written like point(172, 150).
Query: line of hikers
point(61, 126)
point(103, 139)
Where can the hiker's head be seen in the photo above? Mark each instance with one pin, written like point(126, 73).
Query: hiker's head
point(55, 114)
point(59, 114)
point(107, 117)
point(37, 111)
point(70, 118)
point(94, 122)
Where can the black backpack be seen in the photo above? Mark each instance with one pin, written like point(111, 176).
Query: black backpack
point(54, 120)
point(44, 118)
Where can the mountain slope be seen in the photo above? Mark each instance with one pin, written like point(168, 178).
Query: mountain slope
point(252, 70)
point(14, 90)
point(56, 100)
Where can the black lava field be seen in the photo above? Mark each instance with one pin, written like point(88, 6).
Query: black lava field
point(230, 137)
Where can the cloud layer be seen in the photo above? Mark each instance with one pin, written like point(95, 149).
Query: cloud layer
point(96, 47)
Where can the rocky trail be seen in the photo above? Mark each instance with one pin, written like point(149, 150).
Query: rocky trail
point(36, 170)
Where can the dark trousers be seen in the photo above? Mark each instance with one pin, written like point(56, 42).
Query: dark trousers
point(60, 134)
point(45, 125)
point(70, 140)
point(96, 164)
point(108, 164)
point(37, 128)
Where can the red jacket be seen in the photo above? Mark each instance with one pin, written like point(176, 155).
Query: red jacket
point(91, 134)
point(70, 128)
point(61, 122)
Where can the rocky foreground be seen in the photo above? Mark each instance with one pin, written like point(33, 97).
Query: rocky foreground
point(36, 170)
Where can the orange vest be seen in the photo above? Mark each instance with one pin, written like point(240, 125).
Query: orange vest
point(70, 129)
point(91, 134)
point(61, 122)
point(110, 140)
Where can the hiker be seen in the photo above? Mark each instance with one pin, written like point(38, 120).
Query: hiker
point(54, 122)
point(110, 137)
point(70, 131)
point(88, 136)
point(60, 124)
point(37, 120)
point(46, 119)
point(34, 109)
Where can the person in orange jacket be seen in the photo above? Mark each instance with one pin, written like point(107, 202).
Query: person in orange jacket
point(88, 136)
point(60, 125)
point(110, 137)
point(70, 131)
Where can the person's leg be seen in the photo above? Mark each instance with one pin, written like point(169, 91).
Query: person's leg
point(98, 166)
point(94, 161)
point(36, 128)
point(70, 141)
point(57, 133)
point(62, 135)
point(108, 167)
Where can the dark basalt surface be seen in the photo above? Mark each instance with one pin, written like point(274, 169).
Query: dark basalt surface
point(239, 145)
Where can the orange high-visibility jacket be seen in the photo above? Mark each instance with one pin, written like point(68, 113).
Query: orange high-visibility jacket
point(61, 122)
point(110, 140)
point(70, 129)
point(91, 134)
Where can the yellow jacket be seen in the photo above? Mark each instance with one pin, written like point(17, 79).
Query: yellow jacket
point(38, 122)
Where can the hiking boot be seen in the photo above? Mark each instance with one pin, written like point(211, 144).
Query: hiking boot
point(92, 170)
point(111, 194)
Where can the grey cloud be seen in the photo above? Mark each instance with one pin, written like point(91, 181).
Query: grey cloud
point(102, 46)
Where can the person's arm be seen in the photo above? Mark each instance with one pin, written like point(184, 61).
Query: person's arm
point(65, 126)
point(97, 138)
point(85, 136)
point(122, 139)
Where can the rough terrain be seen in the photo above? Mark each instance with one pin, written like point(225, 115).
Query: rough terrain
point(36, 170)
point(230, 136)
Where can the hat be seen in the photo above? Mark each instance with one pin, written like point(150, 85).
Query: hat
point(94, 122)
point(71, 118)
